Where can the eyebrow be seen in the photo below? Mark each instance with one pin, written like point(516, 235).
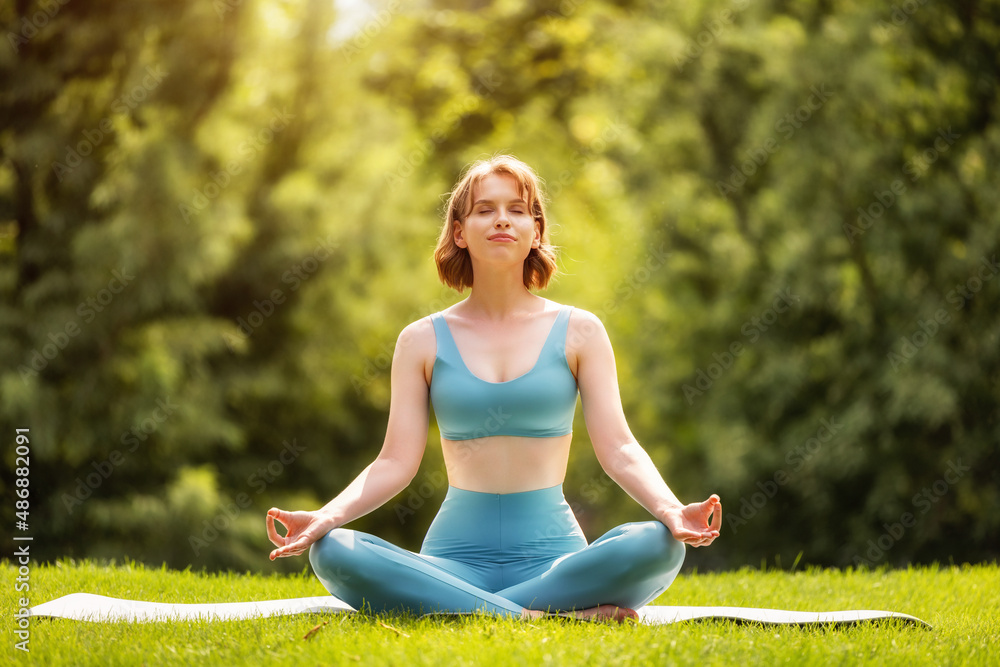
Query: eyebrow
point(490, 201)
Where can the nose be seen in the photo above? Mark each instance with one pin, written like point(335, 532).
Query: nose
point(502, 218)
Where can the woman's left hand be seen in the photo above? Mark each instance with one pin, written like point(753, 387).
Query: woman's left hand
point(690, 523)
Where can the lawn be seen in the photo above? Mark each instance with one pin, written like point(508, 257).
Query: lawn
point(962, 603)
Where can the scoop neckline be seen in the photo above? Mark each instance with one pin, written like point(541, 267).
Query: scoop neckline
point(523, 375)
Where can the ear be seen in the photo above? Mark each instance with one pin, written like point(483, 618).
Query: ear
point(537, 241)
point(458, 236)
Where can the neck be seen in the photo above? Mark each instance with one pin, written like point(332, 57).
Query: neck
point(498, 295)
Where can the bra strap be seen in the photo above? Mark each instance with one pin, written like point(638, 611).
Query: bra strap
point(446, 347)
point(560, 330)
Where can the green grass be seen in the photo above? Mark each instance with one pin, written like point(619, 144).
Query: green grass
point(961, 602)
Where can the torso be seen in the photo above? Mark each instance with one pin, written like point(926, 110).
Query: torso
point(499, 353)
point(506, 463)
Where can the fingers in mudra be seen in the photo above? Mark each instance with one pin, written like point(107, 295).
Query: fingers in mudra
point(272, 532)
point(715, 512)
point(280, 541)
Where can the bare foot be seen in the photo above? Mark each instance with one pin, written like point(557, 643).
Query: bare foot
point(604, 613)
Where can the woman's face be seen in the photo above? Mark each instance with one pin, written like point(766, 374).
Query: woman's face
point(500, 226)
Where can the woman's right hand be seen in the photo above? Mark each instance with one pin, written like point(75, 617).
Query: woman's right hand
point(301, 528)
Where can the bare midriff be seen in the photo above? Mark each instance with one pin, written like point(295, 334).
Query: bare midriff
point(506, 463)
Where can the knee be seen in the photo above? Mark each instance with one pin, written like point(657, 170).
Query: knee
point(331, 553)
point(662, 548)
point(675, 550)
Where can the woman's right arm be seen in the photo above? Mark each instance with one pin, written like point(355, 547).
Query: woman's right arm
point(394, 467)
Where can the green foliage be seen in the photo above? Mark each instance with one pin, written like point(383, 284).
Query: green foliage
point(215, 218)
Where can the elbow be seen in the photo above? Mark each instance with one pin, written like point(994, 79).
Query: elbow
point(400, 471)
point(612, 463)
point(616, 460)
point(409, 475)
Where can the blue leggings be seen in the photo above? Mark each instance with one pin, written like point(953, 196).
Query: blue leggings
point(499, 553)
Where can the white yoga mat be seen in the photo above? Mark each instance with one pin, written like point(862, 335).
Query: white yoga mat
point(90, 607)
point(98, 608)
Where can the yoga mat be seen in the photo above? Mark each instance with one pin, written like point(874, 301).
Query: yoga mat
point(654, 615)
point(89, 607)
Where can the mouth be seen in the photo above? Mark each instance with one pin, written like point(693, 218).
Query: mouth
point(502, 237)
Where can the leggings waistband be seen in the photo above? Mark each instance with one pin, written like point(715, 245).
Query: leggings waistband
point(552, 494)
point(503, 526)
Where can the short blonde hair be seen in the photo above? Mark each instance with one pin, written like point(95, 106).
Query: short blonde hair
point(454, 264)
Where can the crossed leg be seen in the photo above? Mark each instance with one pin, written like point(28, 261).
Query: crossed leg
point(368, 572)
point(628, 566)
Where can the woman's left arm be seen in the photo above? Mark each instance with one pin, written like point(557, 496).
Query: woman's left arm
point(618, 452)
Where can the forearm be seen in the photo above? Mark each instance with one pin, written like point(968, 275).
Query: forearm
point(376, 485)
point(631, 468)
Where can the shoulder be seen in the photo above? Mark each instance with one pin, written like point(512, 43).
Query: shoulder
point(583, 324)
point(417, 340)
point(587, 346)
point(575, 314)
point(586, 338)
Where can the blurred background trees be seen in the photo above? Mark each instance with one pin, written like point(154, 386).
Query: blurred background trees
point(215, 218)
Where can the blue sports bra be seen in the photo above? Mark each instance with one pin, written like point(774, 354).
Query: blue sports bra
point(538, 404)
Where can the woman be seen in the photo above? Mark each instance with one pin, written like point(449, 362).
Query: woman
point(502, 369)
